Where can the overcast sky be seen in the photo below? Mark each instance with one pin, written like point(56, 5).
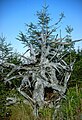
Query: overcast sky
point(15, 13)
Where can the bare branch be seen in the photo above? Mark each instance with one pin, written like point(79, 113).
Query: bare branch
point(26, 96)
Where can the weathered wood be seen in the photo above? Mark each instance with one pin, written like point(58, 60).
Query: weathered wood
point(50, 71)
point(26, 96)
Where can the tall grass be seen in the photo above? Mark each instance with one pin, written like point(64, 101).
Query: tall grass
point(71, 108)
point(21, 112)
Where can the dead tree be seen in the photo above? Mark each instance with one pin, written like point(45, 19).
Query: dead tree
point(45, 73)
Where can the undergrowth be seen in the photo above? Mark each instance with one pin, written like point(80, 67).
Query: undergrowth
point(71, 108)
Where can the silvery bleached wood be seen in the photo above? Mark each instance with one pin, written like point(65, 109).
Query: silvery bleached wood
point(51, 72)
point(11, 100)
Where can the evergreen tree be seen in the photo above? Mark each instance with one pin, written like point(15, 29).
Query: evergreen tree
point(33, 34)
point(5, 50)
point(6, 56)
point(68, 38)
point(5, 53)
point(77, 78)
point(47, 53)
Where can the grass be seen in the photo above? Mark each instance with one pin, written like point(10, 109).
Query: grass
point(71, 108)
point(21, 112)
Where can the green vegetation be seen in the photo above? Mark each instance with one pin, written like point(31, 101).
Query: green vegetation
point(21, 112)
point(71, 106)
point(6, 55)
